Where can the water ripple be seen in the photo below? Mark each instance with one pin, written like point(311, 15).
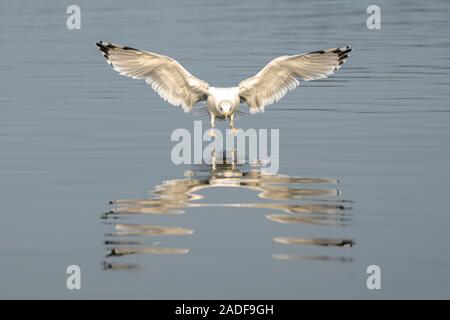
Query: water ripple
point(296, 201)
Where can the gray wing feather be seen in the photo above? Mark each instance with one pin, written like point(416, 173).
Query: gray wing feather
point(164, 74)
point(283, 74)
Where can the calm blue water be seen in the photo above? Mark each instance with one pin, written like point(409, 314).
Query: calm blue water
point(74, 135)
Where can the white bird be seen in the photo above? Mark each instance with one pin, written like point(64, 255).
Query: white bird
point(180, 88)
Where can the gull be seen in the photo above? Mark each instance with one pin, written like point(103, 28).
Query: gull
point(180, 88)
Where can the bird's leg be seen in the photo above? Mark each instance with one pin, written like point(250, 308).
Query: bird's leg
point(233, 129)
point(213, 159)
point(211, 132)
point(233, 158)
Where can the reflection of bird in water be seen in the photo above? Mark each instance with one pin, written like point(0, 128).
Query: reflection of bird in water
point(180, 88)
point(297, 200)
point(173, 196)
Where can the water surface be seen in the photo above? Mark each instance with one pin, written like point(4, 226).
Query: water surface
point(363, 155)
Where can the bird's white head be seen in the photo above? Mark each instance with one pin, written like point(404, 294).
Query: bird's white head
point(225, 107)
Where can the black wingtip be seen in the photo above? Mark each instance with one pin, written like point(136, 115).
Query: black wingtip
point(100, 45)
point(104, 48)
point(318, 52)
point(346, 50)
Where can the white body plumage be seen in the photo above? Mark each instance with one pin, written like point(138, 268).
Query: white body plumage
point(223, 102)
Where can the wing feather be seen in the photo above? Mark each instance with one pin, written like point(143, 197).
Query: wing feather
point(282, 74)
point(165, 75)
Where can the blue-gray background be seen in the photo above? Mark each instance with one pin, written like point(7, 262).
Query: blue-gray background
point(74, 134)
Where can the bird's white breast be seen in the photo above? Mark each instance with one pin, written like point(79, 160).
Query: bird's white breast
point(220, 94)
point(216, 95)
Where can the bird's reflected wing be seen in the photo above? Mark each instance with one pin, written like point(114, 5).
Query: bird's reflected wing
point(283, 73)
point(164, 74)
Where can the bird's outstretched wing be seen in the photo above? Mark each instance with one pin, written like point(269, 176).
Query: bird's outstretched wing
point(283, 73)
point(164, 74)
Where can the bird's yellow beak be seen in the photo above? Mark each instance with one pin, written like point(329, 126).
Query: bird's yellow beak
point(226, 116)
